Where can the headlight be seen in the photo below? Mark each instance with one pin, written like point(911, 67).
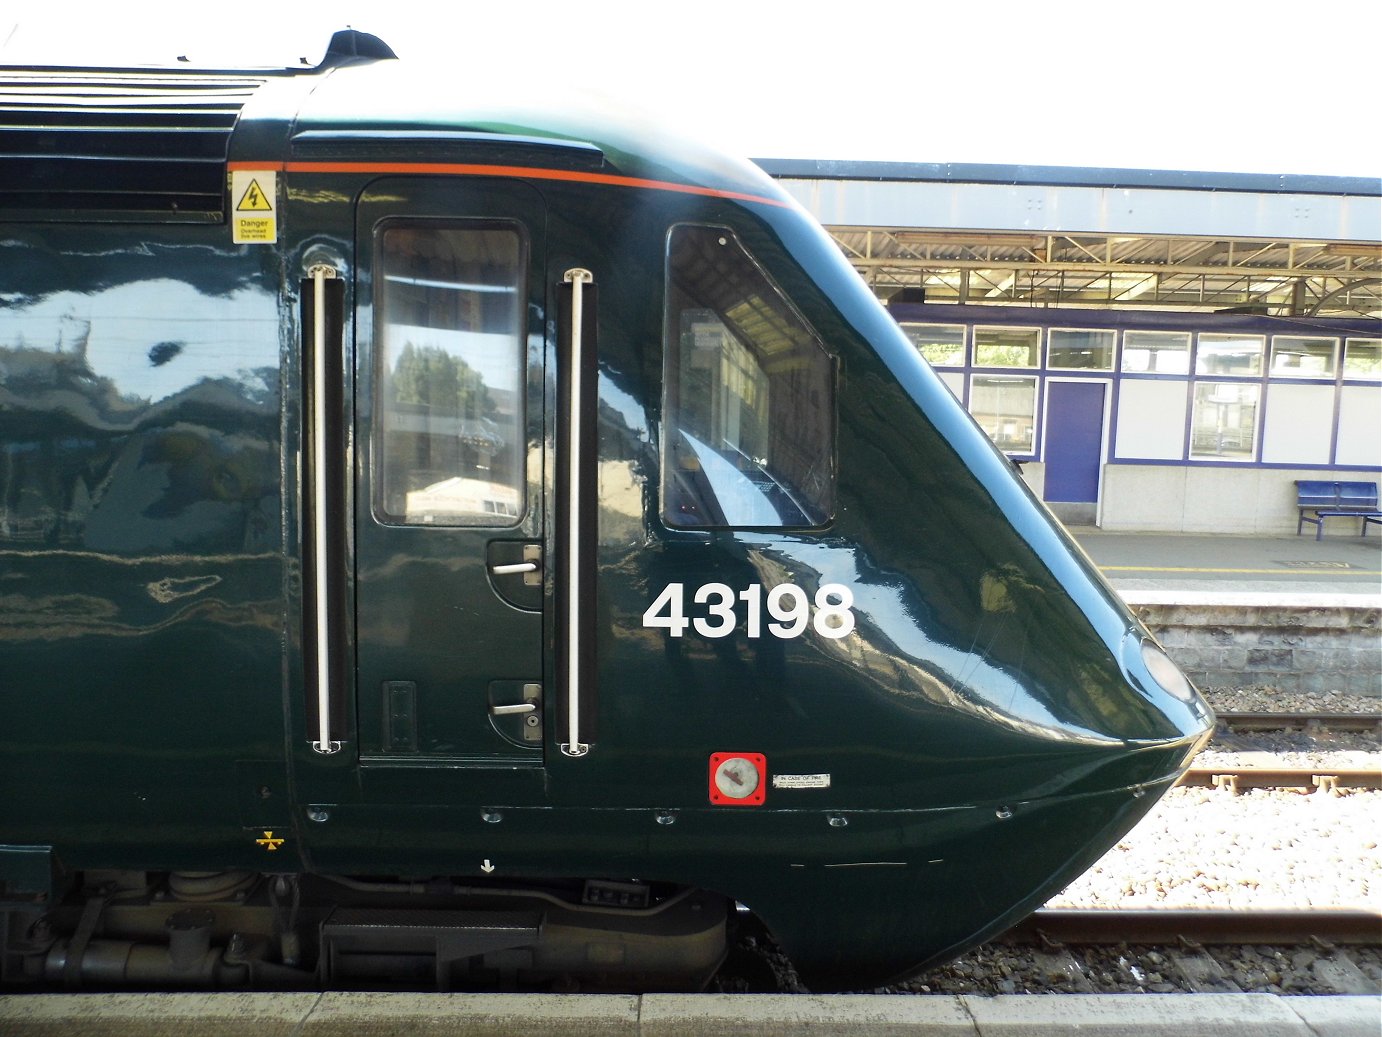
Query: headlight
point(1166, 673)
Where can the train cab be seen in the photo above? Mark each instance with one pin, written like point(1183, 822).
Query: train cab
point(504, 540)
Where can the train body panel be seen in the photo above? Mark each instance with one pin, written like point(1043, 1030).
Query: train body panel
point(144, 564)
point(538, 503)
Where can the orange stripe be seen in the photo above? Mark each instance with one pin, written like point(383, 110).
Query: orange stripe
point(528, 172)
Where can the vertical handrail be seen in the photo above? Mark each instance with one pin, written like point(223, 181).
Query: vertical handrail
point(573, 746)
point(319, 460)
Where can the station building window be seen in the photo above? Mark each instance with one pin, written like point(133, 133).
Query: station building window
point(1301, 356)
point(943, 345)
point(450, 448)
point(748, 394)
point(1075, 349)
point(1156, 352)
point(1363, 358)
point(1223, 424)
point(1005, 408)
point(1007, 347)
point(1193, 389)
point(1230, 354)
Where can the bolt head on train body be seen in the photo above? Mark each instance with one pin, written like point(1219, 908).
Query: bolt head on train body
point(445, 541)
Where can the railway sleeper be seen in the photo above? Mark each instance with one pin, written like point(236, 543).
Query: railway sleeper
point(1307, 779)
point(1201, 972)
point(1062, 971)
point(1339, 973)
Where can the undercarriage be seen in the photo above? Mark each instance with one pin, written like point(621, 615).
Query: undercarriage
point(135, 930)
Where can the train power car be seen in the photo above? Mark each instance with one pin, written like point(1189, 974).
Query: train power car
point(445, 543)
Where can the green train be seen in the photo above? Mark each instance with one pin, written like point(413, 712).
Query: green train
point(446, 543)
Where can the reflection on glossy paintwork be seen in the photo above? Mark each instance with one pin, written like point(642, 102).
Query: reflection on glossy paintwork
point(139, 469)
point(901, 656)
point(152, 340)
point(620, 475)
point(993, 672)
point(158, 412)
point(169, 589)
point(138, 599)
point(969, 646)
point(979, 659)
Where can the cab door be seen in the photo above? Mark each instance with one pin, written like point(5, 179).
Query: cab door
point(450, 546)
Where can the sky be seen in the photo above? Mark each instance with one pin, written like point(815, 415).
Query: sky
point(1266, 86)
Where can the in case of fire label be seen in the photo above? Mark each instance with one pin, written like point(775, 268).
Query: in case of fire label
point(801, 781)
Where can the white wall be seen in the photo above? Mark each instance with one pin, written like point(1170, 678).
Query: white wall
point(1203, 499)
point(1151, 420)
point(1360, 425)
point(1300, 424)
point(1034, 475)
point(954, 381)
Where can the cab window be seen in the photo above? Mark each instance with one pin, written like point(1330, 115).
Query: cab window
point(749, 395)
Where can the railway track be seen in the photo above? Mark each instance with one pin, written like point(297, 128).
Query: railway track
point(1203, 927)
point(1264, 770)
point(1239, 778)
point(1321, 952)
point(1301, 721)
point(1140, 951)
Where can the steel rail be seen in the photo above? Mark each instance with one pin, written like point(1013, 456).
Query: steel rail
point(1158, 926)
point(1250, 721)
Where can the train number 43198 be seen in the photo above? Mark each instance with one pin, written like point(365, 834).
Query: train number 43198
point(788, 609)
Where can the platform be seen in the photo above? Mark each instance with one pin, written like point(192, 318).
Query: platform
point(705, 1015)
point(1281, 565)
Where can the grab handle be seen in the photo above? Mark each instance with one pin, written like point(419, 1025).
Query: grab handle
point(319, 460)
point(575, 449)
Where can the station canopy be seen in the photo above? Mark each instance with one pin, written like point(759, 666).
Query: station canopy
point(1052, 236)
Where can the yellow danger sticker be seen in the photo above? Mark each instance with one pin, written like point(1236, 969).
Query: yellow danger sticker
point(254, 206)
point(254, 200)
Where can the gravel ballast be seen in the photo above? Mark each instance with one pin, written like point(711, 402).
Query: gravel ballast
point(1266, 848)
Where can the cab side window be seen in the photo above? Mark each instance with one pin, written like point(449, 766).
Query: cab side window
point(748, 395)
point(450, 447)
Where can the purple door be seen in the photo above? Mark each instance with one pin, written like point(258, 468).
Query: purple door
point(1074, 441)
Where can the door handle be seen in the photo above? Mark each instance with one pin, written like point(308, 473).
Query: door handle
point(529, 566)
point(525, 725)
point(513, 567)
point(517, 707)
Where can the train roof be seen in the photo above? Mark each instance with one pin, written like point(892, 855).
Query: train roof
point(156, 143)
point(1069, 176)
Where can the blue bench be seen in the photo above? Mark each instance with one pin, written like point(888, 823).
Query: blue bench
point(1331, 499)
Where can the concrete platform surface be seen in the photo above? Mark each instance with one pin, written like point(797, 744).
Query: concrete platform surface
point(1336, 565)
point(672, 1015)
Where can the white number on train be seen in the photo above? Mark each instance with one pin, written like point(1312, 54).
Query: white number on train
point(787, 605)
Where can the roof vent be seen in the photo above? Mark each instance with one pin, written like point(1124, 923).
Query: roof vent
point(107, 144)
point(132, 144)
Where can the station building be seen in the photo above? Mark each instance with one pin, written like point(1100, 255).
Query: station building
point(1162, 351)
